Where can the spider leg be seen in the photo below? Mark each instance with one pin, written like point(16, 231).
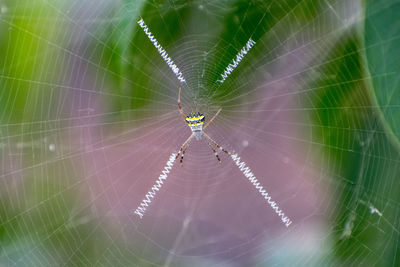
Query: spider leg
point(216, 144)
point(179, 152)
point(216, 114)
point(180, 106)
point(183, 154)
point(183, 148)
point(215, 152)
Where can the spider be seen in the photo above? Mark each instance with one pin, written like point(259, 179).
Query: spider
point(196, 121)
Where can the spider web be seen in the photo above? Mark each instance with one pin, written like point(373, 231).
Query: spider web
point(89, 118)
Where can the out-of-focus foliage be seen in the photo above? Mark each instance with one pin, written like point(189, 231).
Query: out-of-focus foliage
point(120, 60)
point(356, 141)
point(48, 220)
point(357, 151)
point(28, 52)
point(382, 43)
point(44, 220)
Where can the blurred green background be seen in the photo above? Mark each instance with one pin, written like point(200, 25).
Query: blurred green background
point(48, 48)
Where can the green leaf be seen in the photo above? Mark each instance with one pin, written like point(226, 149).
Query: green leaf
point(28, 71)
point(382, 42)
point(361, 160)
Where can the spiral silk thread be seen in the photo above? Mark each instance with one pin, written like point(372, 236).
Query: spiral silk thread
point(141, 209)
point(161, 51)
point(156, 187)
point(250, 176)
point(235, 62)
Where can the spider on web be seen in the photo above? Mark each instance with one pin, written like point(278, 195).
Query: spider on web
point(196, 121)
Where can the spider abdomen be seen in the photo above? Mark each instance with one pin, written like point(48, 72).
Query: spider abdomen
point(196, 121)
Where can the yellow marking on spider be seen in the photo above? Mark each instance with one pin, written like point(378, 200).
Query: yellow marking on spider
point(196, 124)
point(195, 118)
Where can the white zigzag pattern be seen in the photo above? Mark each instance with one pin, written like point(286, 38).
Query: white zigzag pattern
point(161, 51)
point(235, 62)
point(156, 187)
point(250, 176)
